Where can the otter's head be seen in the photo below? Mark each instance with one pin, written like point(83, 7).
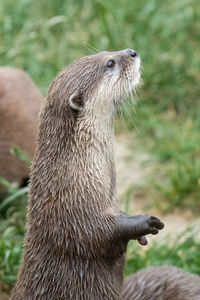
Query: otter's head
point(96, 84)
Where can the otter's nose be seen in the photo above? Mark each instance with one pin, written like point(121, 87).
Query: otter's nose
point(131, 52)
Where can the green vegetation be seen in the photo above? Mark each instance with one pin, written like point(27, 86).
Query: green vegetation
point(182, 252)
point(43, 36)
point(173, 142)
point(10, 255)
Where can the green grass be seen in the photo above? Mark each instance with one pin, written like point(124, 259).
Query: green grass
point(173, 143)
point(182, 252)
point(12, 230)
point(10, 255)
point(42, 37)
point(12, 226)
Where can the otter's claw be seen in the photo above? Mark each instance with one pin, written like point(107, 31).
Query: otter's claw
point(143, 241)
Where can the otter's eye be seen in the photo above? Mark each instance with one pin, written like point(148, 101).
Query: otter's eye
point(110, 64)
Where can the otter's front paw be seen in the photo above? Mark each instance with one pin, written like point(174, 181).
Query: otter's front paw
point(150, 224)
point(136, 227)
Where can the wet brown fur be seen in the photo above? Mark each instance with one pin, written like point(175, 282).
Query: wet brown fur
point(162, 283)
point(70, 247)
point(20, 102)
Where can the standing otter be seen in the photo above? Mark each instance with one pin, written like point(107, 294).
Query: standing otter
point(162, 283)
point(20, 102)
point(76, 237)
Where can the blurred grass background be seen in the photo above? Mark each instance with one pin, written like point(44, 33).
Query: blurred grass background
point(41, 37)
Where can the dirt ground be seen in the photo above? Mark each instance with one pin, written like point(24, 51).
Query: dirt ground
point(131, 171)
point(3, 296)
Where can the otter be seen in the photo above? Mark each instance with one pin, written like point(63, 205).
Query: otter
point(20, 103)
point(162, 283)
point(76, 237)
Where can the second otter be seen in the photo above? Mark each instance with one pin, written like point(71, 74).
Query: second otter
point(76, 237)
point(20, 103)
point(162, 283)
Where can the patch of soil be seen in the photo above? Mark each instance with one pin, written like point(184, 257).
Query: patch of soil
point(4, 296)
point(3, 292)
point(131, 171)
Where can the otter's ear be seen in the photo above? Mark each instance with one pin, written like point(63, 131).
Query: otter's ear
point(76, 101)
